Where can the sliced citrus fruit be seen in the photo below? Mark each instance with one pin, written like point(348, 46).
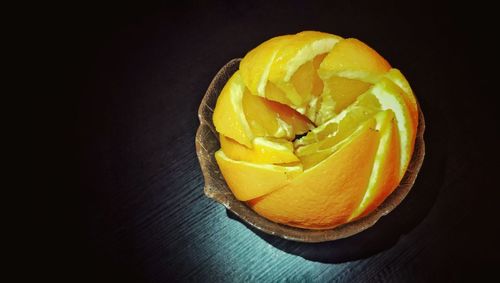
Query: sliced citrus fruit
point(399, 79)
point(229, 118)
point(249, 180)
point(356, 117)
point(242, 116)
point(385, 174)
point(264, 150)
point(339, 128)
point(272, 119)
point(325, 195)
point(257, 63)
point(338, 94)
point(312, 154)
point(353, 59)
point(292, 70)
point(391, 97)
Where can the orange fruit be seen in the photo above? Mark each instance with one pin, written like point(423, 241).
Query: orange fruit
point(272, 119)
point(315, 130)
point(399, 79)
point(385, 174)
point(248, 180)
point(228, 117)
point(256, 64)
point(338, 94)
point(287, 63)
point(325, 195)
point(353, 59)
point(264, 150)
point(391, 97)
point(242, 116)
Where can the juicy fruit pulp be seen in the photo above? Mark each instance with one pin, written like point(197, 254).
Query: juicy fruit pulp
point(315, 130)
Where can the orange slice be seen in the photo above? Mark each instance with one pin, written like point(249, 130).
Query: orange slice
point(249, 180)
point(385, 174)
point(325, 195)
point(264, 150)
point(353, 59)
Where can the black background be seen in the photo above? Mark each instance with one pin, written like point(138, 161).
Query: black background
point(141, 72)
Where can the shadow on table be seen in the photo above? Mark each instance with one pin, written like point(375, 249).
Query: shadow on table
point(386, 232)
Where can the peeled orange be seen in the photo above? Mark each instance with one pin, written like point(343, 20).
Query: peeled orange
point(315, 130)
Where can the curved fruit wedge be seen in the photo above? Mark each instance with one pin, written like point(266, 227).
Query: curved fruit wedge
point(337, 95)
point(353, 59)
point(341, 127)
point(325, 195)
point(265, 150)
point(272, 119)
point(242, 116)
point(392, 98)
point(313, 154)
point(249, 180)
point(256, 64)
point(399, 79)
point(287, 69)
point(229, 118)
point(293, 65)
point(385, 175)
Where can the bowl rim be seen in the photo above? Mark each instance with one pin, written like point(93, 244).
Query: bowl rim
point(276, 229)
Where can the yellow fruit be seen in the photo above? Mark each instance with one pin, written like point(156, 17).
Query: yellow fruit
point(353, 59)
point(399, 79)
point(265, 150)
point(279, 59)
point(257, 63)
point(326, 195)
point(340, 126)
point(289, 63)
point(271, 119)
point(315, 130)
point(385, 174)
point(312, 154)
point(249, 180)
point(242, 116)
point(338, 94)
point(391, 97)
point(319, 143)
point(229, 118)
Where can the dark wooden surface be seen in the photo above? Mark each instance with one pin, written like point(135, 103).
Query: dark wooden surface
point(142, 72)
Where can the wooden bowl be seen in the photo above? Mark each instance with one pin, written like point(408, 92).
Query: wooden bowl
point(207, 143)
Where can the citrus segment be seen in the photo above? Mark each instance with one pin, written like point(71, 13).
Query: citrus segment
point(296, 60)
point(399, 79)
point(385, 176)
point(271, 119)
point(312, 154)
point(248, 180)
point(257, 63)
point(340, 126)
point(229, 118)
point(326, 195)
point(264, 150)
point(353, 59)
point(271, 62)
point(391, 97)
point(338, 94)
